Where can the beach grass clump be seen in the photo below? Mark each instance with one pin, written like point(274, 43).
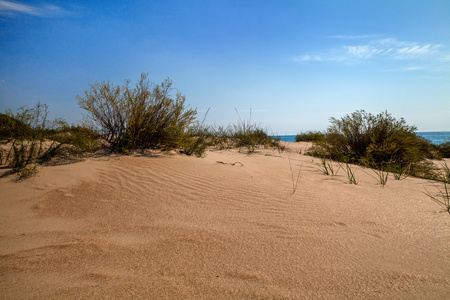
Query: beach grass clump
point(326, 167)
point(244, 134)
point(380, 139)
point(351, 174)
point(250, 135)
point(310, 136)
point(400, 172)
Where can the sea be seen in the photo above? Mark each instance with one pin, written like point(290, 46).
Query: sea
point(436, 137)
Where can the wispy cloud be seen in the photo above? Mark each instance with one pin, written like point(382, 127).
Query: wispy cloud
point(378, 49)
point(12, 9)
point(307, 58)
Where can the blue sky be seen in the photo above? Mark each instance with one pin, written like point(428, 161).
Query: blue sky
point(295, 64)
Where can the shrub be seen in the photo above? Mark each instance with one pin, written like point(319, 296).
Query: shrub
point(11, 128)
point(144, 117)
point(444, 150)
point(379, 142)
point(196, 141)
point(25, 132)
point(310, 136)
point(31, 139)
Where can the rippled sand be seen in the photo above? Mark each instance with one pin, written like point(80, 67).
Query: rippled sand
point(224, 226)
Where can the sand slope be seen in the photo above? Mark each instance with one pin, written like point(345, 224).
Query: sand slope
point(171, 226)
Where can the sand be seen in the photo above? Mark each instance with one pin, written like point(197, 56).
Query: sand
point(168, 226)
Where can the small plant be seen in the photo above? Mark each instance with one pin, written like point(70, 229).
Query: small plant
point(442, 197)
point(400, 172)
point(326, 167)
point(294, 183)
point(382, 176)
point(380, 170)
point(351, 174)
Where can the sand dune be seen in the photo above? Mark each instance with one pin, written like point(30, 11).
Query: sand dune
point(224, 226)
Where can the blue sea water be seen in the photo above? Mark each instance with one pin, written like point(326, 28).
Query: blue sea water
point(437, 137)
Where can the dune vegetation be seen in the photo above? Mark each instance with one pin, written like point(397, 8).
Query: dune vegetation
point(122, 119)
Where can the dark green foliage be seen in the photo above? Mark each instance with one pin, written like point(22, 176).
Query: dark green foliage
point(379, 142)
point(444, 150)
point(196, 141)
point(140, 118)
point(310, 136)
point(11, 128)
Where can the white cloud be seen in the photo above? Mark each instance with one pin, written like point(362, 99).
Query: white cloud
point(416, 51)
point(362, 51)
point(307, 58)
point(379, 48)
point(11, 9)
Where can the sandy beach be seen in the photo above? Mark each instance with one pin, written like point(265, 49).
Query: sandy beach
point(226, 226)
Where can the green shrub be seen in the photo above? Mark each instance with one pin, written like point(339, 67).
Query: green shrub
point(310, 136)
point(31, 139)
point(25, 134)
point(376, 141)
point(144, 117)
point(11, 128)
point(444, 150)
point(196, 141)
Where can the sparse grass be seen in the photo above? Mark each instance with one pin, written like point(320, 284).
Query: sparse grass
point(351, 174)
point(294, 182)
point(382, 176)
point(399, 171)
point(243, 135)
point(326, 167)
point(445, 173)
point(442, 197)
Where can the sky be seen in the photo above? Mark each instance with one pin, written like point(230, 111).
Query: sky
point(293, 64)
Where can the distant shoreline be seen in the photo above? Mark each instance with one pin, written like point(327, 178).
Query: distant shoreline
point(436, 137)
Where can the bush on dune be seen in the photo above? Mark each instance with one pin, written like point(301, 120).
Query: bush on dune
point(310, 136)
point(30, 139)
point(443, 150)
point(140, 118)
point(376, 141)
